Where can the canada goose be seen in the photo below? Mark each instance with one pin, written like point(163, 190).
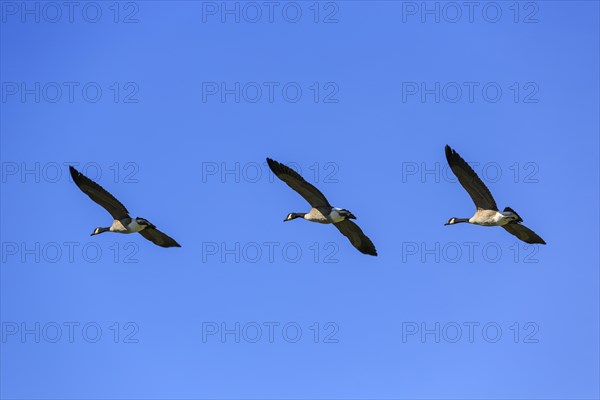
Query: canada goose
point(122, 223)
point(487, 213)
point(322, 212)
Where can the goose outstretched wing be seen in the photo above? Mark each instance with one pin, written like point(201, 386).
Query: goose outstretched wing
point(159, 238)
point(469, 180)
point(99, 194)
point(310, 193)
point(356, 237)
point(523, 233)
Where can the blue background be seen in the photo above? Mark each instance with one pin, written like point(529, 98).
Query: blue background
point(363, 139)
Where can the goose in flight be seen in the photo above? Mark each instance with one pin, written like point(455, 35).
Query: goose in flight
point(122, 223)
point(322, 212)
point(487, 213)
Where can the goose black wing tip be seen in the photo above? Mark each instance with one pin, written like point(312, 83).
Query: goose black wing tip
point(274, 165)
point(280, 168)
point(368, 248)
point(368, 251)
point(535, 241)
point(173, 243)
point(73, 171)
point(450, 153)
point(79, 178)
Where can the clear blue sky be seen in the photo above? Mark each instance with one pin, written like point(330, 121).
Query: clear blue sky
point(174, 107)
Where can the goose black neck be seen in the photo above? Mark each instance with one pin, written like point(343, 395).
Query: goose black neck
point(99, 230)
point(292, 216)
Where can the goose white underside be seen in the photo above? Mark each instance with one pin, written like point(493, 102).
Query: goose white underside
point(335, 216)
point(117, 226)
point(500, 218)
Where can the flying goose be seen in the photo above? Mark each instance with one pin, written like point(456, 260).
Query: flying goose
point(322, 212)
point(487, 213)
point(122, 223)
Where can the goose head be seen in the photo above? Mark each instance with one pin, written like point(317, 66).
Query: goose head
point(99, 230)
point(455, 220)
point(292, 216)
